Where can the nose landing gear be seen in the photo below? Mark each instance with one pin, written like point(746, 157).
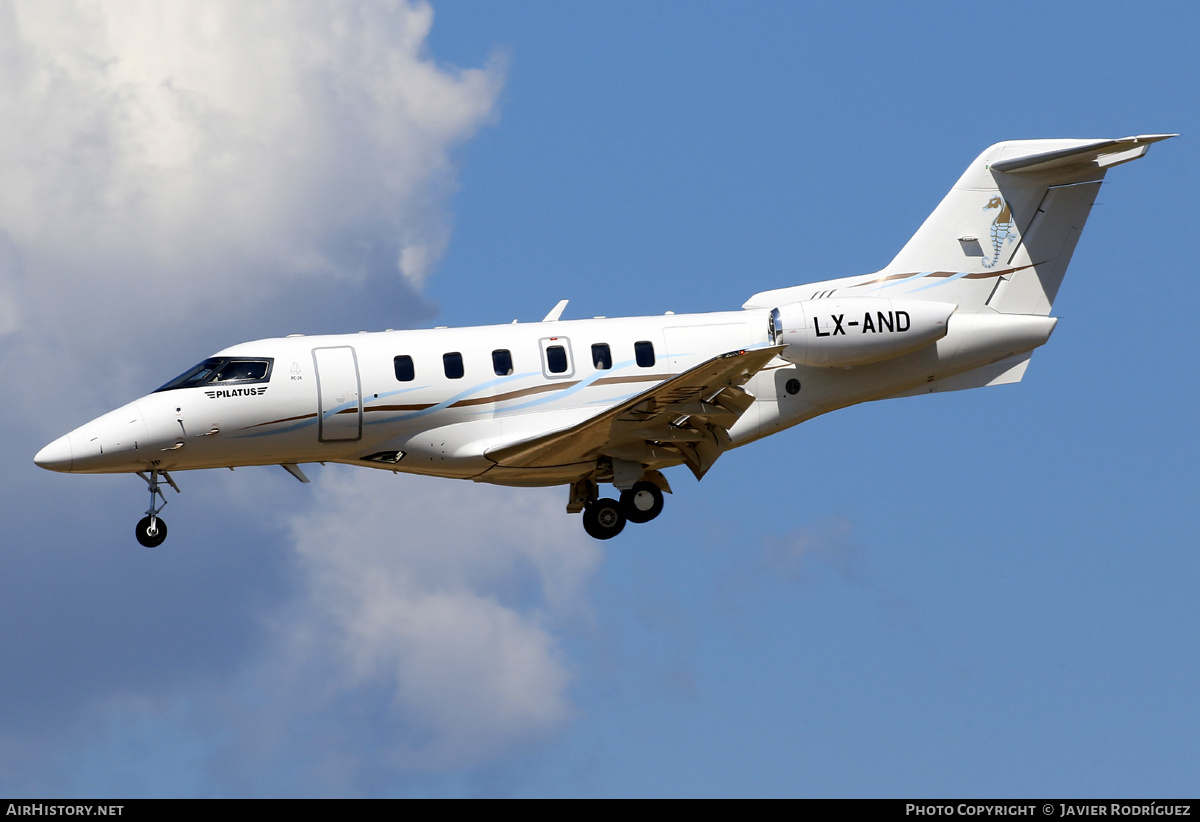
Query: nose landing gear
point(151, 530)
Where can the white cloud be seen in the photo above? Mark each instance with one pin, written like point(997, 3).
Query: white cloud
point(160, 161)
point(830, 543)
point(445, 595)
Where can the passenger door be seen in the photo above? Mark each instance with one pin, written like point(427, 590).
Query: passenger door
point(339, 399)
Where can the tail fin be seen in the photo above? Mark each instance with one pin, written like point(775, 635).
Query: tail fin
point(1003, 236)
point(999, 243)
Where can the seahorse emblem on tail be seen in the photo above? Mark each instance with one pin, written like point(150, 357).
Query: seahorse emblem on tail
point(1004, 230)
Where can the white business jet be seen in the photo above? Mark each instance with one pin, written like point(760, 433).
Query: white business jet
point(585, 402)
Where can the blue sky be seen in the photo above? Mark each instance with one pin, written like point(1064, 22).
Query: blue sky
point(979, 593)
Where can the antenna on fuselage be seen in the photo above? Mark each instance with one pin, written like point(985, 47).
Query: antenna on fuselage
point(555, 312)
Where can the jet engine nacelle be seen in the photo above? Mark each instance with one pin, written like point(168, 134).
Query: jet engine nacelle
point(845, 331)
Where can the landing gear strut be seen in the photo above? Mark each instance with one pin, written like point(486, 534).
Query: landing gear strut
point(151, 530)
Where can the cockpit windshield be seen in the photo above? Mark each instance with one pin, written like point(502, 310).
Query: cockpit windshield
point(224, 370)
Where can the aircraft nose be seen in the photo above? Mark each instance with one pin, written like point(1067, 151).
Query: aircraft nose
point(56, 456)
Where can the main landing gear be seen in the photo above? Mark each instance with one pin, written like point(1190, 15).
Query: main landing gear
point(643, 502)
point(605, 518)
point(151, 530)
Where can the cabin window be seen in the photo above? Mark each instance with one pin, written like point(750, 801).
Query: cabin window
point(644, 351)
point(404, 368)
point(224, 370)
point(453, 363)
point(502, 362)
point(556, 359)
point(601, 356)
point(557, 362)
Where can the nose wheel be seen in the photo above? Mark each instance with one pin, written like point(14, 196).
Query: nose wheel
point(151, 530)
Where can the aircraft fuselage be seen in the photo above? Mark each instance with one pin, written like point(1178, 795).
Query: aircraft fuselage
point(435, 401)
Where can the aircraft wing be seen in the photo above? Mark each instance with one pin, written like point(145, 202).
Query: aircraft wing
point(686, 418)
